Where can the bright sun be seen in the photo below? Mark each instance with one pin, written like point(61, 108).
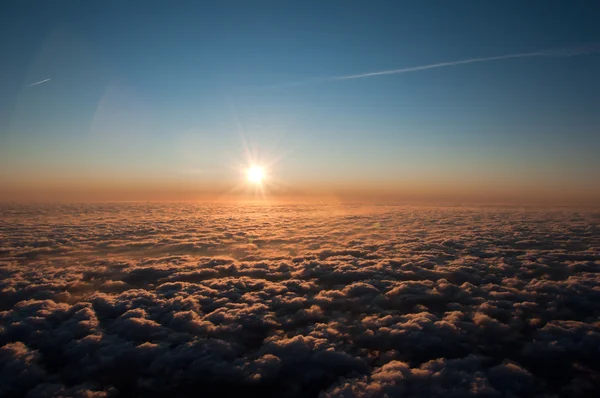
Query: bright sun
point(255, 174)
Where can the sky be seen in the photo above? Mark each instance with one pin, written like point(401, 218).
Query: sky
point(153, 100)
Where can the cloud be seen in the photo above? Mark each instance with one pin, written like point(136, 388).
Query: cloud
point(40, 82)
point(172, 300)
point(564, 52)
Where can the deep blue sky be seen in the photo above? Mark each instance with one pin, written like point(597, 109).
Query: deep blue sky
point(160, 89)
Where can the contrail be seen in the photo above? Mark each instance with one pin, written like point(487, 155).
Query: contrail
point(40, 82)
point(581, 50)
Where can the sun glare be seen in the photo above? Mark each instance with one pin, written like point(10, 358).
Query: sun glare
point(255, 174)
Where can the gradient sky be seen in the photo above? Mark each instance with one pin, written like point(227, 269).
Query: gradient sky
point(163, 93)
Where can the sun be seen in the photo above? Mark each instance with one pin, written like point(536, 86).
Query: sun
point(255, 174)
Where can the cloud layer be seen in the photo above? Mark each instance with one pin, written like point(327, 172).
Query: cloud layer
point(298, 301)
